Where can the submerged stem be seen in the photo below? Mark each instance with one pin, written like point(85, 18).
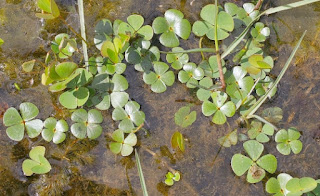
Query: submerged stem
point(83, 33)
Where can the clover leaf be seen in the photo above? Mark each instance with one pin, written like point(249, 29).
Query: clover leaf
point(86, 123)
point(28, 66)
point(239, 85)
point(109, 91)
point(264, 85)
point(38, 164)
point(190, 74)
point(54, 131)
point(160, 78)
point(277, 185)
point(255, 165)
point(207, 26)
point(299, 186)
point(113, 49)
point(63, 45)
point(184, 118)
point(251, 12)
point(104, 30)
point(257, 64)
point(170, 27)
point(204, 92)
point(142, 55)
point(259, 32)
point(259, 132)
point(134, 27)
point(105, 65)
point(122, 145)
point(129, 116)
point(177, 60)
point(316, 191)
point(49, 9)
point(219, 107)
point(288, 141)
point(171, 178)
point(17, 123)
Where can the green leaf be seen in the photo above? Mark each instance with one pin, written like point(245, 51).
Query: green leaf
point(296, 146)
point(228, 109)
point(94, 131)
point(27, 165)
point(240, 164)
point(281, 136)
point(177, 141)
point(47, 134)
point(293, 134)
point(28, 111)
point(115, 147)
point(16, 132)
point(255, 174)
point(58, 137)
point(119, 99)
point(268, 162)
point(65, 69)
point(118, 135)
point(136, 21)
point(219, 118)
point(184, 118)
point(79, 115)
point(302, 185)
point(37, 151)
point(273, 186)
point(28, 66)
point(169, 39)
point(79, 130)
point(253, 148)
point(62, 126)
point(160, 25)
point(11, 117)
point(126, 150)
point(169, 181)
point(94, 116)
point(43, 168)
point(284, 148)
point(34, 127)
point(208, 108)
point(74, 98)
point(103, 31)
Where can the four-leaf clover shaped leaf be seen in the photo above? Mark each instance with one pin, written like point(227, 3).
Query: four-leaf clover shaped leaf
point(134, 27)
point(190, 74)
point(255, 165)
point(38, 164)
point(122, 145)
point(260, 32)
point(86, 123)
point(129, 116)
point(277, 186)
point(177, 60)
point(54, 130)
point(288, 140)
point(170, 26)
point(17, 123)
point(207, 26)
point(219, 107)
point(160, 79)
point(259, 132)
point(110, 91)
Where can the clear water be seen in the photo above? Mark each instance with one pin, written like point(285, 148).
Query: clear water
point(89, 168)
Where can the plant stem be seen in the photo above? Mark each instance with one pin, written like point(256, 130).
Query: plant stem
point(258, 5)
point(210, 50)
point(200, 46)
point(142, 180)
point(138, 128)
point(216, 43)
point(83, 34)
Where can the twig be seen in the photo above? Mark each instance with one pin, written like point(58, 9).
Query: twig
point(258, 5)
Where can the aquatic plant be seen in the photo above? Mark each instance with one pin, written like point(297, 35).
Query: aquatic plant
point(63, 45)
point(177, 141)
point(229, 139)
point(184, 118)
point(86, 123)
point(255, 165)
point(54, 130)
point(49, 9)
point(259, 132)
point(177, 60)
point(141, 177)
point(288, 140)
point(171, 178)
point(37, 163)
point(123, 145)
point(17, 122)
point(28, 66)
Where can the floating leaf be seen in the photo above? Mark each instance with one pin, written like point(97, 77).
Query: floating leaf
point(37, 164)
point(207, 26)
point(28, 66)
point(49, 9)
point(273, 115)
point(123, 145)
point(177, 141)
point(297, 186)
point(184, 117)
point(278, 186)
point(86, 123)
point(171, 178)
point(190, 74)
point(170, 27)
point(288, 140)
point(177, 60)
point(54, 130)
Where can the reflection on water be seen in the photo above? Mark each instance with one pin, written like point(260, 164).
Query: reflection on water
point(89, 168)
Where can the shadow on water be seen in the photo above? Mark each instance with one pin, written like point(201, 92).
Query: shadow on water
point(89, 168)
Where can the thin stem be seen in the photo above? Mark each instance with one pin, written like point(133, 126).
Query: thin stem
point(216, 43)
point(200, 46)
point(83, 33)
point(138, 128)
point(258, 5)
point(209, 50)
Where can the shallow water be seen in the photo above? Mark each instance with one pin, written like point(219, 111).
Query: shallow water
point(92, 169)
